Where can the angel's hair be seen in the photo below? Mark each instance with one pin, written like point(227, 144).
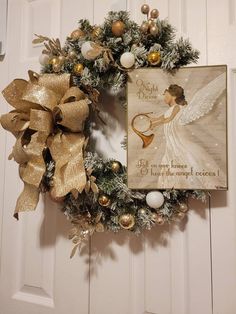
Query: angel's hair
point(178, 92)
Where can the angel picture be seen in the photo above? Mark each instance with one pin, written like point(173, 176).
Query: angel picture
point(184, 162)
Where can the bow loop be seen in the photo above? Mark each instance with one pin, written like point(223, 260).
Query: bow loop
point(13, 94)
point(15, 121)
point(41, 95)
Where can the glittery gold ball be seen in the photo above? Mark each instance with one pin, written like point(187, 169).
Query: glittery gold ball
point(154, 57)
point(154, 13)
point(104, 200)
point(96, 31)
point(183, 207)
point(78, 68)
point(115, 166)
point(126, 221)
point(118, 28)
point(76, 34)
point(145, 8)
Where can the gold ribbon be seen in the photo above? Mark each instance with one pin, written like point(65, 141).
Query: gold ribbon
point(48, 113)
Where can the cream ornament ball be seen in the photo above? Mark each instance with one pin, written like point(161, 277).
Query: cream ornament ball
point(155, 199)
point(44, 59)
point(90, 50)
point(127, 60)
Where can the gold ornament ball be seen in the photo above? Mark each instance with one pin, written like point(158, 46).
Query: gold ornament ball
point(180, 215)
point(144, 27)
point(157, 218)
point(126, 221)
point(78, 68)
point(99, 227)
point(96, 31)
point(160, 220)
point(154, 216)
point(54, 61)
point(72, 54)
point(154, 58)
point(142, 211)
point(61, 59)
point(183, 207)
point(56, 67)
point(76, 34)
point(154, 14)
point(145, 8)
point(115, 166)
point(154, 30)
point(104, 200)
point(118, 28)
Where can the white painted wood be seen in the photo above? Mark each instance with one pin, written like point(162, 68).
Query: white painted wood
point(3, 26)
point(187, 268)
point(3, 109)
point(221, 49)
point(101, 8)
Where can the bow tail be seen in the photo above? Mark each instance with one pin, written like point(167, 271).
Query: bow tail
point(27, 200)
point(67, 152)
point(31, 173)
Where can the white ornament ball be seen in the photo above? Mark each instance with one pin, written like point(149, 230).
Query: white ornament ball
point(90, 50)
point(127, 60)
point(43, 59)
point(155, 199)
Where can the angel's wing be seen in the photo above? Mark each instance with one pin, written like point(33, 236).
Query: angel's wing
point(203, 101)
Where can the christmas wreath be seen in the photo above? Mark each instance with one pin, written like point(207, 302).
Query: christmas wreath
point(51, 122)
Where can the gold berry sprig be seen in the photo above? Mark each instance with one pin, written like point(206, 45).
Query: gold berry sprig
point(150, 26)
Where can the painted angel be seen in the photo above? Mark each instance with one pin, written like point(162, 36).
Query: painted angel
point(180, 149)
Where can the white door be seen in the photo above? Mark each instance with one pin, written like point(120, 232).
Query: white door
point(187, 268)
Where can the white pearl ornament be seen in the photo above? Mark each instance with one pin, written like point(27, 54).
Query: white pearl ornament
point(90, 50)
point(155, 199)
point(127, 60)
point(43, 59)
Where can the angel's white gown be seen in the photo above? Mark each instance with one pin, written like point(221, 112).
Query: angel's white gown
point(180, 150)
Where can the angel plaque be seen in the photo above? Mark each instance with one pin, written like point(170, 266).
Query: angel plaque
point(177, 124)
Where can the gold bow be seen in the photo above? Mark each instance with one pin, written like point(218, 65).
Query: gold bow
point(48, 113)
